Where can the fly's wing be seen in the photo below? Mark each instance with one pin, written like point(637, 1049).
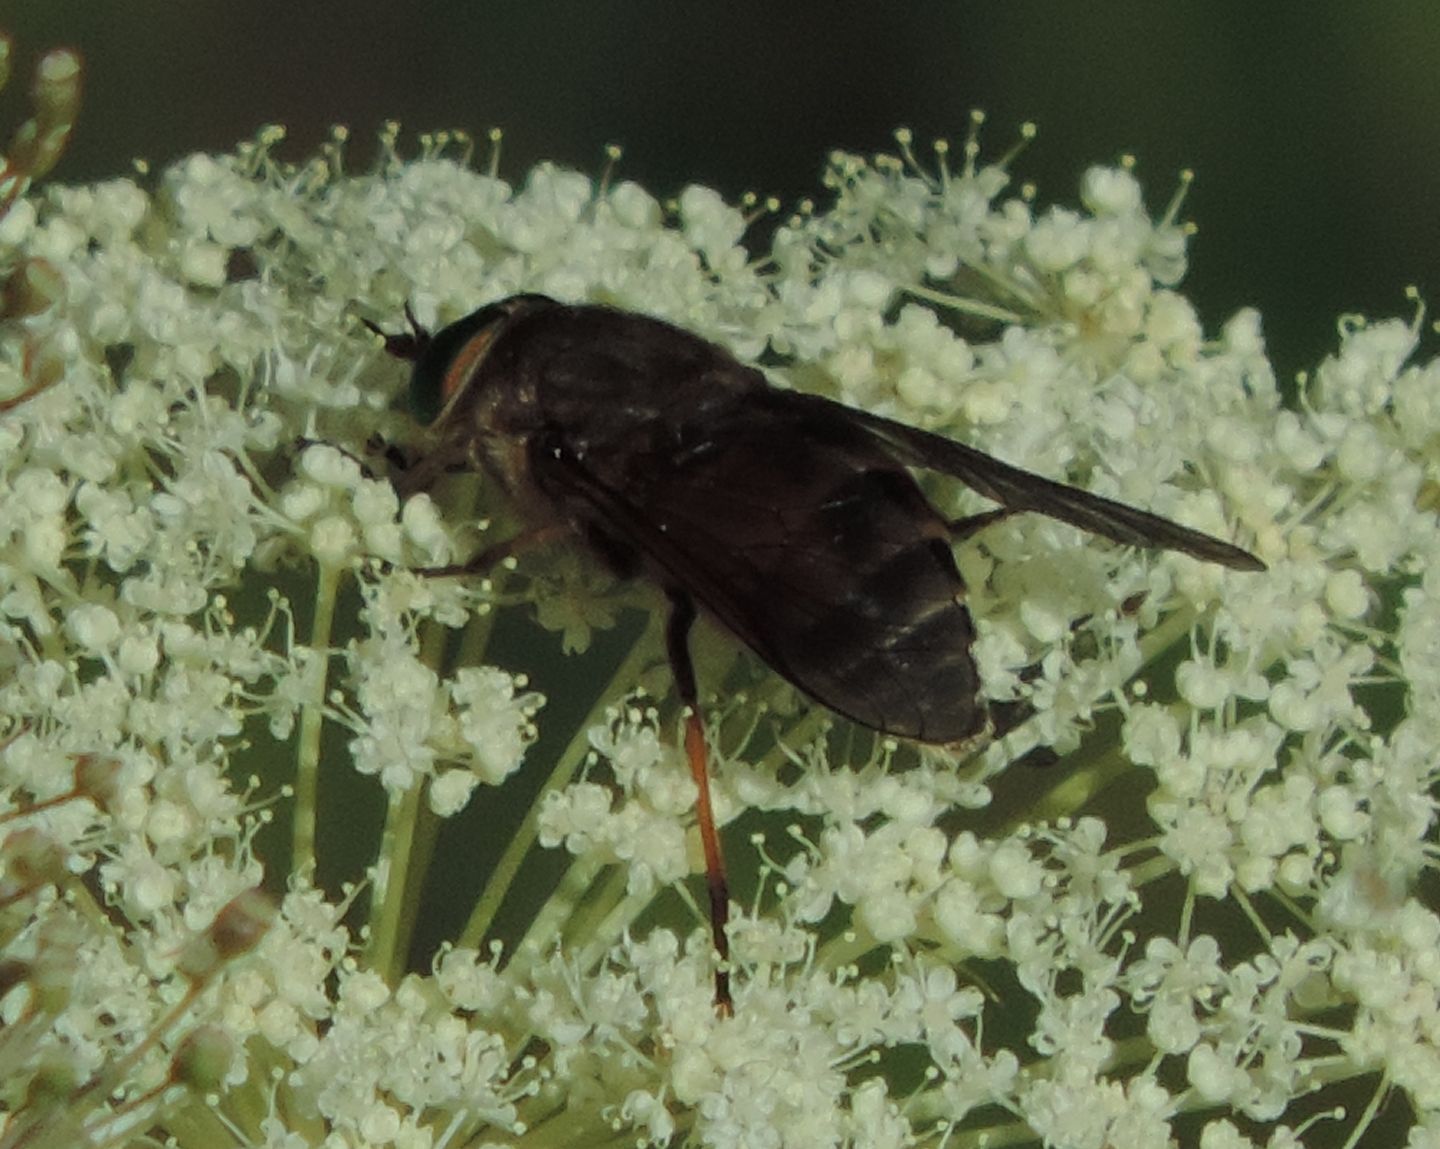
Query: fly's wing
point(1019, 490)
point(805, 538)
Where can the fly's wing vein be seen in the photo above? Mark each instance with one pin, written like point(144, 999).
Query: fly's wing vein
point(807, 540)
point(1020, 490)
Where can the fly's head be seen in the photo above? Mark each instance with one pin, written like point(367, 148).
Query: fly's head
point(452, 366)
point(478, 407)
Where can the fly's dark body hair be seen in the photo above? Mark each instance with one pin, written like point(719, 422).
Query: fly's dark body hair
point(793, 520)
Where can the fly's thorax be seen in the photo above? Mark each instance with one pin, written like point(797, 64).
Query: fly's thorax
point(495, 424)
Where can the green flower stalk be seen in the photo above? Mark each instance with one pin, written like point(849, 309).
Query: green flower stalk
point(1206, 922)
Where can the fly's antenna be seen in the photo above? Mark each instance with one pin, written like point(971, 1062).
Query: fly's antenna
point(408, 345)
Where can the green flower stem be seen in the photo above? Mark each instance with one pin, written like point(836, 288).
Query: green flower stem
point(804, 729)
point(925, 1108)
point(422, 831)
point(408, 839)
point(503, 878)
point(552, 918)
point(1071, 793)
point(1092, 767)
point(1164, 635)
point(965, 305)
point(201, 1125)
point(312, 718)
point(568, 1129)
point(1151, 870)
point(391, 879)
point(603, 921)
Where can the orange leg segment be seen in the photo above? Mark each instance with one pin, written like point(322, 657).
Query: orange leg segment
point(682, 615)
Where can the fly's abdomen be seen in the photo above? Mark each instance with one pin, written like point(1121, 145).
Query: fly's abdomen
point(866, 610)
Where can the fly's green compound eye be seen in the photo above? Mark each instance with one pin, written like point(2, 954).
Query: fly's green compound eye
point(449, 361)
point(425, 400)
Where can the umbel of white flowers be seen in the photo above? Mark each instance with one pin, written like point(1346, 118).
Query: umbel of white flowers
point(1208, 923)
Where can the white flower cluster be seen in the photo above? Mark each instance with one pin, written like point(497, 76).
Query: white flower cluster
point(208, 571)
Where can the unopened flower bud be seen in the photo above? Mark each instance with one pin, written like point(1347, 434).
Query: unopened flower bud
point(236, 930)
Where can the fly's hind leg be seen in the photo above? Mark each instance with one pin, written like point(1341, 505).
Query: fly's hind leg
point(677, 634)
point(962, 529)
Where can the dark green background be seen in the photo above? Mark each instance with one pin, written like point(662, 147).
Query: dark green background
point(1313, 128)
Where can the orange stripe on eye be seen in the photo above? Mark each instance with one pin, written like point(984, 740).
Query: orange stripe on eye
point(464, 365)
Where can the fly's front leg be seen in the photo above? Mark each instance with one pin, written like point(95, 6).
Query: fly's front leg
point(415, 475)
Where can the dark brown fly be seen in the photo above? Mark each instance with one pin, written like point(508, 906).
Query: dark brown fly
point(791, 519)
